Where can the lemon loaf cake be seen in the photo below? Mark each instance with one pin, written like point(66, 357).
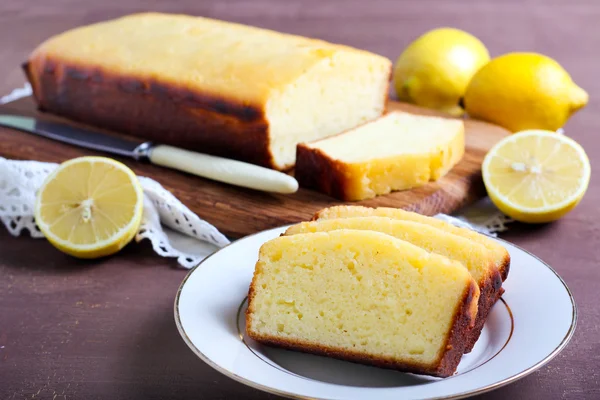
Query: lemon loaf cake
point(501, 255)
point(474, 256)
point(208, 85)
point(362, 296)
point(395, 152)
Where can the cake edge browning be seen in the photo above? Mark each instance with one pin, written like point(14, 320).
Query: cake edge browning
point(490, 291)
point(504, 268)
point(150, 109)
point(444, 367)
point(316, 170)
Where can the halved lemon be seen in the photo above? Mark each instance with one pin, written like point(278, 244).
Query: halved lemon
point(90, 207)
point(536, 176)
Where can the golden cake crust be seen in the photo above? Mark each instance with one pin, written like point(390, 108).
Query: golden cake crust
point(316, 170)
point(503, 266)
point(445, 366)
point(152, 110)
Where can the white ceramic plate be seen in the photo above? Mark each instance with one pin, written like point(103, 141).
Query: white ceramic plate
point(532, 324)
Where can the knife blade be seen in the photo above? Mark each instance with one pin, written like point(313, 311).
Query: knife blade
point(212, 167)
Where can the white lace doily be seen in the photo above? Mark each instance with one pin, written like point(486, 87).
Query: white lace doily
point(17, 93)
point(19, 181)
point(483, 216)
point(171, 227)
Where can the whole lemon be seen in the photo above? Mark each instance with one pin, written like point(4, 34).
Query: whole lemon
point(523, 91)
point(435, 69)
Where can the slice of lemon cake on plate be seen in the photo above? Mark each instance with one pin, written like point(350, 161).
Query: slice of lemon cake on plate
point(362, 296)
point(474, 256)
point(395, 152)
point(501, 255)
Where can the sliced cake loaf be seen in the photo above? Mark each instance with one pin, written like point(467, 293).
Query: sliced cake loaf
point(362, 296)
point(478, 259)
point(213, 86)
point(395, 152)
point(501, 255)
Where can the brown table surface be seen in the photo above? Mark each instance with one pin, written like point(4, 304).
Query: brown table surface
point(104, 329)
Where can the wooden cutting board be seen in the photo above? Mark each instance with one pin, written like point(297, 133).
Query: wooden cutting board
point(238, 212)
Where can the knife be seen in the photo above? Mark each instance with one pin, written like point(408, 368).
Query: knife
point(216, 168)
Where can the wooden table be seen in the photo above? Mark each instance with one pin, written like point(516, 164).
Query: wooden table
point(105, 330)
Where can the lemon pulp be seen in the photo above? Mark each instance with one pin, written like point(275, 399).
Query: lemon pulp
point(536, 176)
point(90, 207)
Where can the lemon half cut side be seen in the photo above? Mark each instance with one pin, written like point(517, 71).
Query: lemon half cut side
point(536, 176)
point(90, 207)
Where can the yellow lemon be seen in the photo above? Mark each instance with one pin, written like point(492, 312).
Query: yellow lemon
point(436, 68)
point(535, 176)
point(524, 91)
point(90, 207)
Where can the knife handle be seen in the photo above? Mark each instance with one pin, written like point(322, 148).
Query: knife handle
point(223, 169)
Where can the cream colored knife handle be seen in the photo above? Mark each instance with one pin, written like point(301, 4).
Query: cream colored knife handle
point(222, 169)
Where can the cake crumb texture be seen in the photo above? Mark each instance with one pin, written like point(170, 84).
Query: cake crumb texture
point(363, 296)
point(475, 257)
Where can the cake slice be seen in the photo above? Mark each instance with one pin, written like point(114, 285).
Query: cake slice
point(501, 255)
point(362, 296)
point(395, 152)
point(474, 256)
